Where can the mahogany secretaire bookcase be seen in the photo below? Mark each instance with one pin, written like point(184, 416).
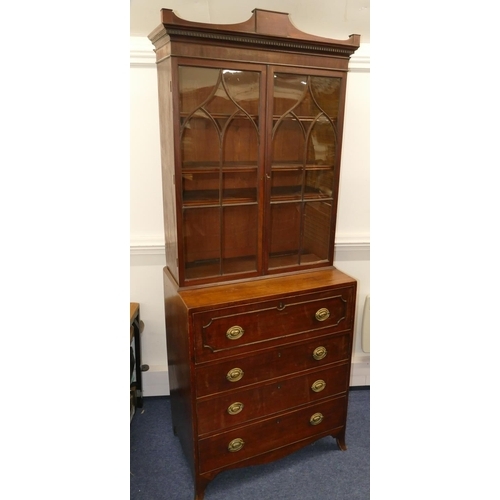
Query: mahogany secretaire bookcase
point(259, 322)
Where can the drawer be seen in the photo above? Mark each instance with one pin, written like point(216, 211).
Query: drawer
point(231, 409)
point(234, 446)
point(226, 331)
point(242, 371)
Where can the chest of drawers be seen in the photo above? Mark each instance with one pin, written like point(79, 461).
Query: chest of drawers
point(258, 369)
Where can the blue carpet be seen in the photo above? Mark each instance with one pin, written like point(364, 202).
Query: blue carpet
point(320, 471)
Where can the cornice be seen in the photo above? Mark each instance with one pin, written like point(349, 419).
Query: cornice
point(142, 54)
point(265, 28)
point(259, 41)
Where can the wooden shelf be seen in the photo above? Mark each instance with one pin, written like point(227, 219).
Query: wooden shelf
point(205, 269)
point(213, 167)
point(295, 193)
point(212, 198)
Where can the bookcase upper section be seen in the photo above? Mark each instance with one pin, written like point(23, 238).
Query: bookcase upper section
point(251, 121)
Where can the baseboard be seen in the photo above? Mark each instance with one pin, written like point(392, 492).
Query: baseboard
point(360, 372)
point(155, 381)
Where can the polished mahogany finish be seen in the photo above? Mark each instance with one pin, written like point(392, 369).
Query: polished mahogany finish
point(284, 376)
point(259, 322)
point(251, 119)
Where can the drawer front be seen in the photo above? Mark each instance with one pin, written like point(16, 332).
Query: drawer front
point(266, 435)
point(243, 371)
point(231, 409)
point(224, 332)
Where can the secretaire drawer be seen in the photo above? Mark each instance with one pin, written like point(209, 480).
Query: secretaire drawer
point(227, 331)
point(242, 371)
point(265, 435)
point(231, 409)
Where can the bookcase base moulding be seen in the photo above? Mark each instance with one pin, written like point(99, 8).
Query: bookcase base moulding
point(259, 322)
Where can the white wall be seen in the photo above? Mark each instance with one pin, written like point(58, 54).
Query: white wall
point(352, 253)
point(329, 18)
point(147, 254)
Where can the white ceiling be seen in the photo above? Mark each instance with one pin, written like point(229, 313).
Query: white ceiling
point(329, 18)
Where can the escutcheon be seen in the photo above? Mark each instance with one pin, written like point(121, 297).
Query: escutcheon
point(318, 386)
point(235, 332)
point(235, 374)
point(319, 353)
point(235, 408)
point(316, 419)
point(322, 314)
point(236, 445)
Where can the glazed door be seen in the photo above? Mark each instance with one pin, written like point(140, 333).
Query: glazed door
point(302, 171)
point(220, 151)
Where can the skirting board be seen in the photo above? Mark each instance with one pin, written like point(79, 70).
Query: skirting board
point(155, 380)
point(360, 372)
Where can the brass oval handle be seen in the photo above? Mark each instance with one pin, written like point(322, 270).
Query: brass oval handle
point(316, 419)
point(235, 408)
point(235, 445)
point(319, 353)
point(235, 374)
point(318, 386)
point(235, 332)
point(322, 314)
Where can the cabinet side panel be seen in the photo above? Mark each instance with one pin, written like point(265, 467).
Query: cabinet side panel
point(176, 320)
point(168, 165)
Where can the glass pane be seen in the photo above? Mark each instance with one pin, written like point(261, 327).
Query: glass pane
point(200, 141)
point(242, 87)
point(241, 141)
point(219, 106)
point(326, 92)
point(239, 245)
point(202, 242)
point(305, 110)
point(321, 143)
point(319, 183)
point(289, 90)
point(285, 235)
point(196, 86)
point(200, 188)
point(307, 107)
point(316, 232)
point(220, 150)
point(239, 186)
point(286, 184)
point(288, 141)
